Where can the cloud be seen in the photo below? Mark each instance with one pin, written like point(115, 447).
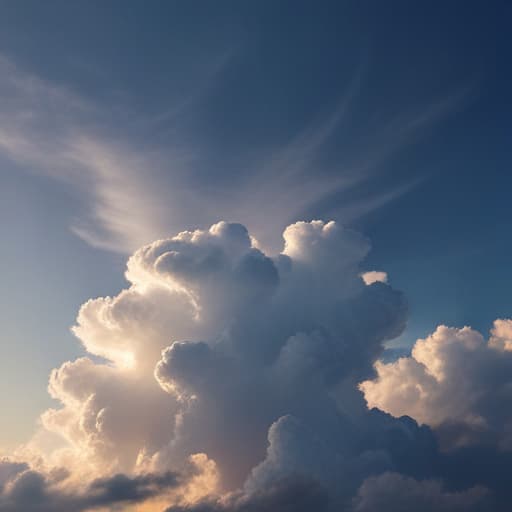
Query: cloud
point(26, 490)
point(455, 381)
point(130, 189)
point(391, 491)
point(388, 491)
point(287, 495)
point(106, 415)
point(9, 469)
point(125, 189)
point(248, 374)
point(51, 131)
point(240, 371)
point(227, 369)
point(374, 276)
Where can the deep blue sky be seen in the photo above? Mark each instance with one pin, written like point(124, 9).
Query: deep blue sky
point(415, 96)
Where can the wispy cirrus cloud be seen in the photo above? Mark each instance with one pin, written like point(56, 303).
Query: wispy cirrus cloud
point(50, 130)
point(133, 191)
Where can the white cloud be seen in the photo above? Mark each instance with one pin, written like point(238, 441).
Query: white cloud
point(245, 367)
point(454, 381)
point(238, 339)
point(501, 335)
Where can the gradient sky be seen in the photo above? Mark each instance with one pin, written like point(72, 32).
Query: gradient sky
point(124, 122)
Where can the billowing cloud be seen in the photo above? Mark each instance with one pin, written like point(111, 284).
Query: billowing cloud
point(456, 382)
point(240, 370)
point(253, 373)
point(107, 415)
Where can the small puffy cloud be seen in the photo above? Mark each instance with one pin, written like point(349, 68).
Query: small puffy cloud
point(374, 276)
point(501, 334)
point(455, 381)
point(317, 241)
point(398, 493)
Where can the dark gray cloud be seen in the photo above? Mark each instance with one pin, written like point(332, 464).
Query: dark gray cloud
point(292, 494)
point(31, 491)
point(9, 469)
point(397, 493)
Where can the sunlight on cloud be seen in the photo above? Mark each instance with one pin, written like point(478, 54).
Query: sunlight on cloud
point(132, 192)
point(206, 384)
point(228, 376)
point(455, 381)
point(374, 276)
point(245, 388)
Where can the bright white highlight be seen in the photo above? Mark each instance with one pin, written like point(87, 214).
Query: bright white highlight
point(374, 276)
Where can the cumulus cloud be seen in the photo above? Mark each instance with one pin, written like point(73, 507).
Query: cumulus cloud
point(388, 491)
point(391, 491)
point(292, 494)
point(240, 370)
point(456, 382)
point(251, 374)
point(501, 334)
point(107, 415)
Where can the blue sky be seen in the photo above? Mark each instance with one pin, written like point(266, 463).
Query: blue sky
point(122, 122)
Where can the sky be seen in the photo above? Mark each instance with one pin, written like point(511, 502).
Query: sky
point(124, 123)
